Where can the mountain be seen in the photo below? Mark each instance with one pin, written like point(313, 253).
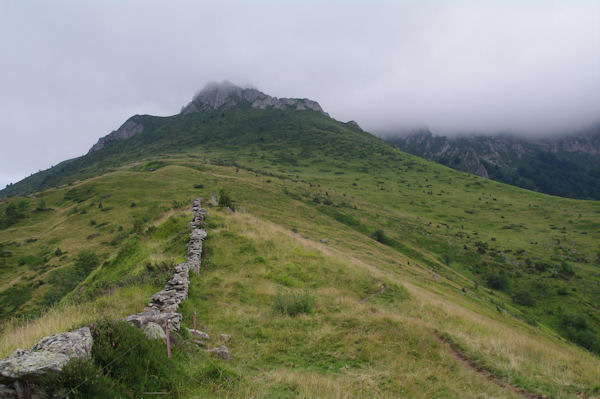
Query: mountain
point(216, 96)
point(567, 166)
point(198, 123)
point(335, 264)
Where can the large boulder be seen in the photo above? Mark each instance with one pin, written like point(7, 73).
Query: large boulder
point(199, 334)
point(47, 356)
point(77, 343)
point(222, 352)
point(31, 365)
point(154, 331)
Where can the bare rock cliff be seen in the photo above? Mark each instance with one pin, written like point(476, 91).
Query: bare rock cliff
point(226, 95)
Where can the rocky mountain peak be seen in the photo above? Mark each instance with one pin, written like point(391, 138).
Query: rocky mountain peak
point(213, 96)
point(226, 95)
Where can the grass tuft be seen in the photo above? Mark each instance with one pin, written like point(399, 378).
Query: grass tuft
point(292, 303)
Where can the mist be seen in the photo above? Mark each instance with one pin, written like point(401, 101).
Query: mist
point(72, 72)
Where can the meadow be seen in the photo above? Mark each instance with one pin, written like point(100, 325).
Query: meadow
point(396, 265)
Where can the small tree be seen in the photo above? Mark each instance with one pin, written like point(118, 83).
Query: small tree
point(225, 200)
point(41, 206)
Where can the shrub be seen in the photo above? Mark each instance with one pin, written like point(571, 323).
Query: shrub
point(566, 270)
point(13, 213)
point(66, 279)
point(579, 331)
point(80, 378)
point(585, 338)
point(41, 206)
point(143, 368)
point(379, 235)
point(225, 200)
point(293, 303)
point(446, 259)
point(577, 322)
point(541, 267)
point(497, 281)
point(524, 298)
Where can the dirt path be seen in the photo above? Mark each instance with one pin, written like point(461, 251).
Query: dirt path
point(381, 291)
point(460, 355)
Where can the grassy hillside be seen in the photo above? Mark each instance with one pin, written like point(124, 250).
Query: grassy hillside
point(508, 277)
point(567, 166)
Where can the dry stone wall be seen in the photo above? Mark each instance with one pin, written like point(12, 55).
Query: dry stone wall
point(51, 353)
point(163, 305)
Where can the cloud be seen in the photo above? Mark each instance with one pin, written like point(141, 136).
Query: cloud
point(74, 71)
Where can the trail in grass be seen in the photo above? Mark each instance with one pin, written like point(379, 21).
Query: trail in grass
point(463, 358)
point(381, 291)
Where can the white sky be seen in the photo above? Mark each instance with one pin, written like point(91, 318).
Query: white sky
point(72, 71)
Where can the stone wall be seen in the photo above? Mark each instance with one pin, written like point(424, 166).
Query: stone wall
point(23, 368)
point(163, 305)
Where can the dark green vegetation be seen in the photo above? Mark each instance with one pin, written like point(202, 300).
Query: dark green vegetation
point(12, 214)
point(65, 279)
point(390, 247)
point(471, 224)
point(566, 166)
point(125, 364)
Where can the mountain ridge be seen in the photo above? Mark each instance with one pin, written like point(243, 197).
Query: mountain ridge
point(216, 96)
point(395, 257)
point(567, 166)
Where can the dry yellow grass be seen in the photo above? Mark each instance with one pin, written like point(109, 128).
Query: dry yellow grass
point(520, 354)
point(18, 333)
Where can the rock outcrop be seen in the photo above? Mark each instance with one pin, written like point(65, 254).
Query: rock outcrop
point(215, 96)
point(48, 356)
point(154, 331)
point(226, 95)
point(222, 352)
point(128, 129)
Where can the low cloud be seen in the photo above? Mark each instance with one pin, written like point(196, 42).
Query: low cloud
point(73, 72)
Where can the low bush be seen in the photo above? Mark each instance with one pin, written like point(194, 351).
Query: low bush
point(143, 368)
point(497, 281)
point(380, 236)
point(13, 212)
point(225, 200)
point(65, 279)
point(578, 330)
point(524, 298)
point(80, 378)
point(124, 364)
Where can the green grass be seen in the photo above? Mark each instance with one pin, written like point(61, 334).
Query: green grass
point(293, 303)
point(326, 208)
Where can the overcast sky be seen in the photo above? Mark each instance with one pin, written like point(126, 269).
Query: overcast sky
point(72, 71)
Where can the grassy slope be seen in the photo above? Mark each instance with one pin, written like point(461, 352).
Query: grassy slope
point(320, 192)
